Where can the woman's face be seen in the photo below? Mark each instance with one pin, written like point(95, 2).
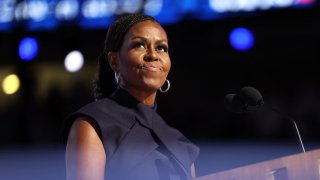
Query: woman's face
point(143, 58)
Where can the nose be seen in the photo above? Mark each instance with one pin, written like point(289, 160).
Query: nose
point(151, 55)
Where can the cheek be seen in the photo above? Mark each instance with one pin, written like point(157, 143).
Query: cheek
point(167, 65)
point(130, 62)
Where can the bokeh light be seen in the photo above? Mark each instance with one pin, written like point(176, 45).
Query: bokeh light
point(11, 84)
point(28, 48)
point(73, 61)
point(241, 39)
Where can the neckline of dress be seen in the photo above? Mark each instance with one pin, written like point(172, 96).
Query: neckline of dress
point(143, 113)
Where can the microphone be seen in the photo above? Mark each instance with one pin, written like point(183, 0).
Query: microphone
point(249, 99)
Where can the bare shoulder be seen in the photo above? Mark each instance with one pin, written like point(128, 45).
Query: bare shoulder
point(83, 136)
point(85, 155)
point(82, 130)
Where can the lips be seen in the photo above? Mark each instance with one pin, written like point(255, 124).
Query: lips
point(151, 67)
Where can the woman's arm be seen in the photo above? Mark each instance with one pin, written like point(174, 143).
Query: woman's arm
point(85, 156)
point(193, 171)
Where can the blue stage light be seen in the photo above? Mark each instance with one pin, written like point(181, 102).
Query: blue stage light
point(241, 39)
point(165, 11)
point(97, 14)
point(28, 49)
point(40, 14)
point(6, 14)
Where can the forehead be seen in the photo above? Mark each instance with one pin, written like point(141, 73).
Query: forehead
point(147, 28)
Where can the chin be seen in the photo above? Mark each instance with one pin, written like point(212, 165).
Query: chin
point(151, 87)
point(153, 83)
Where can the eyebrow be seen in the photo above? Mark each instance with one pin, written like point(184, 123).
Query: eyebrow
point(145, 39)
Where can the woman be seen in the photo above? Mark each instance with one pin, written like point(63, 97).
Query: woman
point(121, 136)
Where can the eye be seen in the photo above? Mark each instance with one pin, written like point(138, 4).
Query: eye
point(162, 48)
point(139, 45)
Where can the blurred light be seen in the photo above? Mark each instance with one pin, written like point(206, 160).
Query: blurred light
point(38, 10)
point(41, 14)
point(67, 9)
point(28, 48)
point(205, 11)
point(98, 8)
point(11, 84)
point(265, 5)
point(189, 6)
point(246, 5)
point(153, 7)
point(241, 39)
point(93, 14)
point(6, 10)
point(284, 3)
point(21, 11)
point(97, 13)
point(6, 14)
point(305, 1)
point(222, 6)
point(165, 11)
point(73, 61)
point(129, 6)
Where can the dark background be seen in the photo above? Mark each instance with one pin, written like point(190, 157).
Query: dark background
point(283, 65)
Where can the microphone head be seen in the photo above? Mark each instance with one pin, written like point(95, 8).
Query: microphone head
point(251, 96)
point(234, 104)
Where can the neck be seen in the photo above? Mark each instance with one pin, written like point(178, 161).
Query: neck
point(144, 96)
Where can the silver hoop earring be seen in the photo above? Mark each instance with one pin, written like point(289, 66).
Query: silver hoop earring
point(117, 77)
point(168, 87)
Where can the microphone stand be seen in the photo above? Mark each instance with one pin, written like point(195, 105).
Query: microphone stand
point(295, 126)
point(249, 103)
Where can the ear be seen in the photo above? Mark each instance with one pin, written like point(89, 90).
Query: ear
point(113, 61)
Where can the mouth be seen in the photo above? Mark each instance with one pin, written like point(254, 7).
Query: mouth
point(151, 67)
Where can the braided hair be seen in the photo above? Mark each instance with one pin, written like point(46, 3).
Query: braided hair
point(104, 84)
